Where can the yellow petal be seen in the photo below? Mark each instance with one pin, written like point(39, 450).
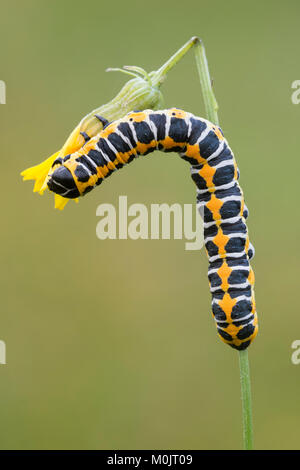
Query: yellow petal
point(74, 142)
point(60, 202)
point(39, 173)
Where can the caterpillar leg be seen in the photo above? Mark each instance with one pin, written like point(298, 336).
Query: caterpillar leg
point(103, 121)
point(85, 136)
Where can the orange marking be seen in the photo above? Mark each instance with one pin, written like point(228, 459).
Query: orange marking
point(102, 171)
point(142, 148)
point(207, 172)
point(221, 240)
point(227, 304)
point(192, 151)
point(233, 330)
point(224, 272)
point(235, 170)
point(251, 277)
point(214, 205)
point(127, 155)
point(112, 165)
point(82, 186)
point(168, 143)
point(242, 207)
point(179, 113)
point(253, 303)
point(137, 117)
point(119, 157)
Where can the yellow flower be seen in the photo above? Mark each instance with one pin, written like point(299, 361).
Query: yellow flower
point(41, 173)
point(141, 92)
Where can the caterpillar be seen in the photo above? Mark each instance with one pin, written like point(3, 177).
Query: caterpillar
point(220, 200)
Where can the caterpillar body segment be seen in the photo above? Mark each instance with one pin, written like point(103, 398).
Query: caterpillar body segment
point(220, 200)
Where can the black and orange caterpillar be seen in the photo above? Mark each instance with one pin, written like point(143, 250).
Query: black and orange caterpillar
point(219, 199)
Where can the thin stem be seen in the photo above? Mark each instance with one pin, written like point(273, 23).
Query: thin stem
point(246, 400)
point(159, 76)
point(211, 107)
point(210, 102)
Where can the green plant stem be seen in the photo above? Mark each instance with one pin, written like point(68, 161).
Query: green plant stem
point(246, 399)
point(159, 76)
point(210, 102)
point(211, 108)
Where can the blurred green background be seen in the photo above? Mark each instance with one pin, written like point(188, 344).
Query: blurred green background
point(110, 344)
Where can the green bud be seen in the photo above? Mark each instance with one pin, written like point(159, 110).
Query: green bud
point(138, 94)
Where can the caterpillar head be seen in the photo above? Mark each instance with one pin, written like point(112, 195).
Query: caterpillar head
point(61, 181)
